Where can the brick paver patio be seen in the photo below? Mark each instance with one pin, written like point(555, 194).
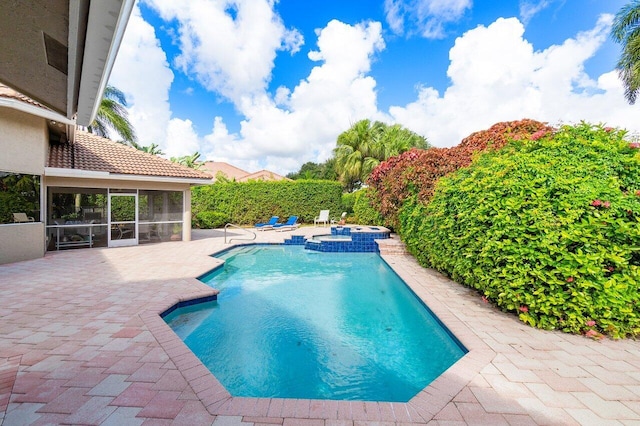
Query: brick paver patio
point(81, 342)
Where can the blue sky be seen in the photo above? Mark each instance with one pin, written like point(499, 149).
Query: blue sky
point(265, 84)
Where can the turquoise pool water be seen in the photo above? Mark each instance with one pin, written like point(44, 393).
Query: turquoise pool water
point(293, 323)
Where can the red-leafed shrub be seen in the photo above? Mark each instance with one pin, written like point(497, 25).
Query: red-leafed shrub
point(546, 228)
point(415, 172)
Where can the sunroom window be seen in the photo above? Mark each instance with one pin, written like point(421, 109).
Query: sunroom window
point(19, 197)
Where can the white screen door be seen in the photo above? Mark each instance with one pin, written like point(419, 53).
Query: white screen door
point(123, 219)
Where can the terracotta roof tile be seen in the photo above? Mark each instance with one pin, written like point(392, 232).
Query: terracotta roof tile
point(8, 92)
point(231, 172)
point(263, 175)
point(91, 152)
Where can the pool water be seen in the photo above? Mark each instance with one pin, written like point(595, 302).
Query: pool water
point(293, 323)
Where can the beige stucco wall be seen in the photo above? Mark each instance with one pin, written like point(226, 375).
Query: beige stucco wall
point(186, 216)
point(24, 141)
point(21, 241)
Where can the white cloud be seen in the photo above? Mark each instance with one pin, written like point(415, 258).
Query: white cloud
point(229, 45)
point(302, 125)
point(181, 138)
point(141, 71)
point(497, 75)
point(425, 17)
point(276, 133)
point(394, 15)
point(529, 9)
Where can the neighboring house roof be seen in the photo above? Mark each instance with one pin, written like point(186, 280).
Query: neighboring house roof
point(233, 172)
point(263, 175)
point(94, 153)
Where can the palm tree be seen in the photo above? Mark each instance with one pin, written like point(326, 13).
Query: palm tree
point(152, 149)
point(626, 30)
point(112, 114)
point(360, 149)
point(356, 152)
point(396, 140)
point(190, 161)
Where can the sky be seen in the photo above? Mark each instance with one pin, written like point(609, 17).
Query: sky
point(265, 84)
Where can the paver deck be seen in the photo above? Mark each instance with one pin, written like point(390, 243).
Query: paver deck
point(81, 342)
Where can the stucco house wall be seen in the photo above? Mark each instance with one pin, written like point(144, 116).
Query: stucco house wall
point(33, 141)
point(23, 147)
point(23, 142)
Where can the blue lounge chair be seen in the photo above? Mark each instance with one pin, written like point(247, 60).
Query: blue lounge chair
point(268, 225)
point(289, 225)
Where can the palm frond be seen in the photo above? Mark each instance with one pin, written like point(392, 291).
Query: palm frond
point(626, 30)
point(112, 114)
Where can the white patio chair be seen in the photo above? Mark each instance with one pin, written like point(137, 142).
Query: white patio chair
point(22, 217)
point(323, 217)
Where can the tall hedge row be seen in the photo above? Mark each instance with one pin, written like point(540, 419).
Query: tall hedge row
point(547, 228)
point(247, 203)
point(364, 210)
point(415, 172)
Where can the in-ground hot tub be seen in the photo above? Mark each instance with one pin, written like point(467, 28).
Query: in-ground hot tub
point(349, 239)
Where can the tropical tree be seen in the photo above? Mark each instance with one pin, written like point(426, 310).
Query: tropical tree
point(190, 161)
point(626, 30)
point(396, 139)
point(112, 114)
point(361, 148)
point(152, 149)
point(355, 153)
point(221, 177)
point(311, 170)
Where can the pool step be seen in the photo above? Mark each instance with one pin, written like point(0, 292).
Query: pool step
point(295, 240)
point(391, 247)
point(313, 245)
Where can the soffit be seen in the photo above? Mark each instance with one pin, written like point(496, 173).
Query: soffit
point(24, 65)
point(60, 52)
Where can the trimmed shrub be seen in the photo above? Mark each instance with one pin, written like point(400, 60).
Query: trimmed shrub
point(247, 203)
point(365, 213)
point(548, 228)
point(348, 200)
point(210, 220)
point(416, 172)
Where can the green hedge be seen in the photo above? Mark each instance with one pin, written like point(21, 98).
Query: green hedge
point(348, 201)
point(246, 203)
point(210, 220)
point(365, 213)
point(548, 229)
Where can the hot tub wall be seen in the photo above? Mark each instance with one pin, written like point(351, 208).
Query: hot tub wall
point(362, 240)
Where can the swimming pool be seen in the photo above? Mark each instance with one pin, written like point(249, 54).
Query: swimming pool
point(294, 323)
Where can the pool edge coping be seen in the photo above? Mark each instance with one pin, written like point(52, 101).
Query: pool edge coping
point(423, 407)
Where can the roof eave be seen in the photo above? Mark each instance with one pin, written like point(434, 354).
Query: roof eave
point(107, 22)
point(92, 174)
point(34, 110)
